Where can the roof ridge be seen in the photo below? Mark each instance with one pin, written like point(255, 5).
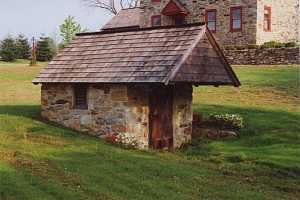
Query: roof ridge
point(131, 29)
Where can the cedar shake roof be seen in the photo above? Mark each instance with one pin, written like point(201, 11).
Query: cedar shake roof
point(126, 18)
point(187, 54)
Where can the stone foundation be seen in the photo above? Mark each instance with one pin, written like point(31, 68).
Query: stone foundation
point(114, 109)
point(280, 56)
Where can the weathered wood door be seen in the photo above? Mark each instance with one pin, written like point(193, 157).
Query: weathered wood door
point(161, 129)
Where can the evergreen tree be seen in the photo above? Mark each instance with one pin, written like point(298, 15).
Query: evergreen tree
point(68, 30)
point(22, 47)
point(45, 50)
point(8, 49)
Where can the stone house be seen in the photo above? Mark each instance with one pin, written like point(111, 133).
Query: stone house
point(232, 22)
point(137, 82)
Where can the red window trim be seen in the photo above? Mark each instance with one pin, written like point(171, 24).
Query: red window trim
point(269, 9)
point(231, 19)
point(152, 19)
point(206, 18)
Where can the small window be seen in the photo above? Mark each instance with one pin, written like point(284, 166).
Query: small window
point(211, 20)
point(267, 19)
point(80, 97)
point(236, 19)
point(179, 20)
point(156, 20)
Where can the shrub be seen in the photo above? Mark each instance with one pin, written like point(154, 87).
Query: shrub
point(272, 44)
point(253, 46)
point(240, 47)
point(229, 47)
point(290, 44)
point(226, 121)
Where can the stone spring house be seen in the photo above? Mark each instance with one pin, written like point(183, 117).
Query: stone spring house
point(135, 81)
point(233, 22)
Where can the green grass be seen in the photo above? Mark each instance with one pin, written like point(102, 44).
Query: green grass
point(41, 161)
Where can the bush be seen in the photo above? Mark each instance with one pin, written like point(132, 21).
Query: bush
point(229, 47)
point(290, 44)
point(8, 49)
point(226, 121)
point(253, 46)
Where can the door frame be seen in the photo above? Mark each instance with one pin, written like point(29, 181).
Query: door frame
point(167, 140)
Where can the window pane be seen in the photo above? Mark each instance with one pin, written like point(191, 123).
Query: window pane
point(236, 24)
point(236, 14)
point(211, 16)
point(211, 26)
point(156, 21)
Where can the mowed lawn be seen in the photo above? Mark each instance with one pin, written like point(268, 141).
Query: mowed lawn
point(41, 161)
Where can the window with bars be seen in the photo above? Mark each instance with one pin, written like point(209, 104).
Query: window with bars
point(211, 20)
point(267, 19)
point(236, 19)
point(80, 97)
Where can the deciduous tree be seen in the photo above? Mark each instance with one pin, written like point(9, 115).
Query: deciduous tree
point(112, 6)
point(69, 29)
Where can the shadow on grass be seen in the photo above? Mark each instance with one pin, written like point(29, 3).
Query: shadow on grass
point(29, 111)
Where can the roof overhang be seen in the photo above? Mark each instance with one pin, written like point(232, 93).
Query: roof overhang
point(174, 8)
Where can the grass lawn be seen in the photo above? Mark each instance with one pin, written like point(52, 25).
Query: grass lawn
point(41, 161)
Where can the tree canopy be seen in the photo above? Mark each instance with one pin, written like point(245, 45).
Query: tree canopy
point(69, 29)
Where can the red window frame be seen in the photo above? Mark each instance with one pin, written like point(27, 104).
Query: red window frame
point(153, 18)
point(268, 18)
point(232, 10)
point(215, 20)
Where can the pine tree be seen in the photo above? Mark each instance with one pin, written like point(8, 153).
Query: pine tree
point(8, 49)
point(22, 47)
point(45, 50)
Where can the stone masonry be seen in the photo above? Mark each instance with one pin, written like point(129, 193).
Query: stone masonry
point(115, 109)
point(285, 19)
point(281, 56)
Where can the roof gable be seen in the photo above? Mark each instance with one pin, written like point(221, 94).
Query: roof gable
point(151, 55)
point(174, 8)
point(205, 64)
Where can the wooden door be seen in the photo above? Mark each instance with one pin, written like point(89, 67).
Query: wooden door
point(161, 129)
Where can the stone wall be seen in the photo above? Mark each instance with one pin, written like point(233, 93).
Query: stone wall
point(280, 56)
point(197, 14)
point(285, 21)
point(112, 109)
point(182, 115)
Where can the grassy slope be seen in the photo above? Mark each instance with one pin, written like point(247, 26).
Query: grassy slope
point(41, 161)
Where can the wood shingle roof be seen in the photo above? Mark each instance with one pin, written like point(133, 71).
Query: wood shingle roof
point(151, 55)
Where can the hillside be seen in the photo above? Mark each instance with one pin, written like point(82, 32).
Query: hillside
point(41, 161)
